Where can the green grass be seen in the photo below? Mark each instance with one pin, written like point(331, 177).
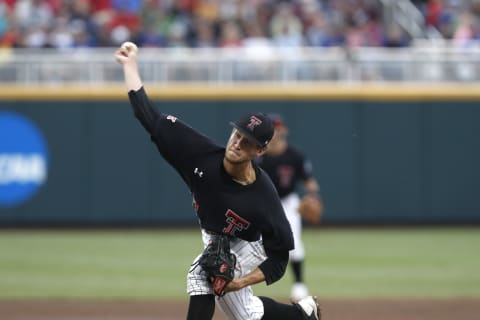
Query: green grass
point(341, 263)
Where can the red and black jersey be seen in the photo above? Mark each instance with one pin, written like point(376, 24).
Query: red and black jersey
point(248, 212)
point(286, 170)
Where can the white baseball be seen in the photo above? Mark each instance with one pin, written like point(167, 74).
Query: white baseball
point(130, 47)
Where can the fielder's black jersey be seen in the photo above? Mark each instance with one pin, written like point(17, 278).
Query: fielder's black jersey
point(286, 170)
point(223, 206)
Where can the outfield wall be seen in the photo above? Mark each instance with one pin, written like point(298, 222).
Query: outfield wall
point(382, 155)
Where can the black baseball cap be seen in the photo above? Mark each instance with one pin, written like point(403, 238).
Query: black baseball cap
point(257, 127)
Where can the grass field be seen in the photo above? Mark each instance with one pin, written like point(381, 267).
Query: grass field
point(152, 264)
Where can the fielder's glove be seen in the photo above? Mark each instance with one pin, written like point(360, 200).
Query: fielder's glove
point(311, 208)
point(218, 263)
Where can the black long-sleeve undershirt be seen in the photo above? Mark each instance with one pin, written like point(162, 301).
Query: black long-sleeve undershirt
point(143, 109)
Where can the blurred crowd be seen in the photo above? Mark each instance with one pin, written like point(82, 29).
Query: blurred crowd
point(222, 23)
point(458, 20)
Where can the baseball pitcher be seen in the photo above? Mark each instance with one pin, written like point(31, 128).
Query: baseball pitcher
point(246, 235)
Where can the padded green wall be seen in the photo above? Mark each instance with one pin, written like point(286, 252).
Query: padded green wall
point(378, 162)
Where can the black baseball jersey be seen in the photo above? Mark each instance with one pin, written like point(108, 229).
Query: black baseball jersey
point(286, 170)
point(249, 212)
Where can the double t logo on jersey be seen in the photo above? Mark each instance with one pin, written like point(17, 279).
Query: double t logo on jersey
point(285, 175)
point(172, 118)
point(235, 223)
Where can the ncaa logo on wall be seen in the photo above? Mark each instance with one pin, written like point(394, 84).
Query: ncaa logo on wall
point(23, 159)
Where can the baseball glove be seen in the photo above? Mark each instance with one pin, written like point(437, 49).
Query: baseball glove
point(311, 208)
point(218, 263)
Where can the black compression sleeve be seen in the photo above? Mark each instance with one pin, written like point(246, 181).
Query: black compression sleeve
point(143, 109)
point(274, 267)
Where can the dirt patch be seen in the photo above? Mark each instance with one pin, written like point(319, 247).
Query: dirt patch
point(176, 310)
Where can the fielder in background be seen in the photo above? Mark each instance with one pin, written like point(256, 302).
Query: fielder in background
point(288, 167)
point(245, 233)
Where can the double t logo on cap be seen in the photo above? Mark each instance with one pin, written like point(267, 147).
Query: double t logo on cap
point(254, 121)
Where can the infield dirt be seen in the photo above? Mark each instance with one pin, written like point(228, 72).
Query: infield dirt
point(460, 309)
